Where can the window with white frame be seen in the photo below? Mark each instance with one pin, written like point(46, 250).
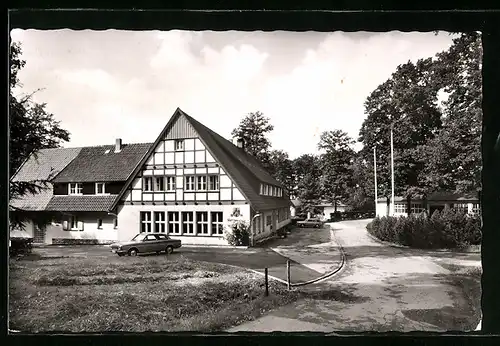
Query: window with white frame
point(190, 181)
point(170, 183)
point(75, 189)
point(201, 182)
point(187, 222)
point(461, 207)
point(261, 189)
point(476, 208)
point(179, 144)
point(147, 184)
point(99, 223)
point(159, 184)
point(100, 188)
point(202, 222)
point(400, 208)
point(174, 223)
point(159, 221)
point(146, 222)
point(417, 208)
point(217, 224)
point(213, 182)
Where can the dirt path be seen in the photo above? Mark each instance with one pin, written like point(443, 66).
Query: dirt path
point(382, 289)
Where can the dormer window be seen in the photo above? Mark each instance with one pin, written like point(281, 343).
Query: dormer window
point(75, 189)
point(100, 188)
point(179, 145)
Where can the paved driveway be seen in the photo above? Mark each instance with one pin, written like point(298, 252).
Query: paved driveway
point(253, 258)
point(382, 289)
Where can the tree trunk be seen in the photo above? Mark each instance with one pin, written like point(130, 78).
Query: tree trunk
point(388, 205)
point(408, 205)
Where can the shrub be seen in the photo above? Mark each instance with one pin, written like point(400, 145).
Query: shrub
point(236, 233)
point(446, 229)
point(20, 246)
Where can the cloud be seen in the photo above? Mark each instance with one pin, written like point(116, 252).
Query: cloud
point(127, 84)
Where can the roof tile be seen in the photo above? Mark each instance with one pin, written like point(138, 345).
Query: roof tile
point(81, 203)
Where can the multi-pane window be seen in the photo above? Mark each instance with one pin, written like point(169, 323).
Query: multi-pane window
point(201, 182)
point(476, 208)
point(417, 208)
point(100, 188)
point(268, 220)
point(159, 184)
point(462, 207)
point(75, 189)
point(189, 183)
point(400, 208)
point(187, 222)
point(261, 189)
point(170, 183)
point(159, 221)
point(146, 222)
point(213, 182)
point(179, 144)
point(217, 224)
point(202, 222)
point(148, 184)
point(174, 223)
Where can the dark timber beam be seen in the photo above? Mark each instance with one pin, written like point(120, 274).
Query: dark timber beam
point(490, 196)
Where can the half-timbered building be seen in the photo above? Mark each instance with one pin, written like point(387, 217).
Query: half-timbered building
point(187, 183)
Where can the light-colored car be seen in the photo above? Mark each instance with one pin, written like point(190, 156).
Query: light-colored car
point(146, 243)
point(311, 222)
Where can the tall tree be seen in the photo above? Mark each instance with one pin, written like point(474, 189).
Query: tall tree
point(281, 168)
point(307, 180)
point(454, 155)
point(31, 128)
point(407, 102)
point(361, 193)
point(336, 179)
point(253, 129)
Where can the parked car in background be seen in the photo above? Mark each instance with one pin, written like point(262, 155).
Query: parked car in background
point(146, 243)
point(311, 222)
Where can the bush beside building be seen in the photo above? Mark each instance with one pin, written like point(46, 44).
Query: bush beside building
point(447, 229)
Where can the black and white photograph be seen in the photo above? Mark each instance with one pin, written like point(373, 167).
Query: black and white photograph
point(244, 181)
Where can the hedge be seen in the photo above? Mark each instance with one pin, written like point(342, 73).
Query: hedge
point(448, 229)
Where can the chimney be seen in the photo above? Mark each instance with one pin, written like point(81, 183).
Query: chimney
point(240, 143)
point(118, 145)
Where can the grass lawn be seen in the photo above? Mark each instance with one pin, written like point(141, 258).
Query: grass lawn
point(147, 293)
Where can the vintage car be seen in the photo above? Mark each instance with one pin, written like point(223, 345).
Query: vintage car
point(146, 243)
point(311, 222)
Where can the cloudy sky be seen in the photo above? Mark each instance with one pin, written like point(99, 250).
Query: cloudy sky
point(112, 84)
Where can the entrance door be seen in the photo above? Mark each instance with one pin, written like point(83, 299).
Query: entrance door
point(39, 235)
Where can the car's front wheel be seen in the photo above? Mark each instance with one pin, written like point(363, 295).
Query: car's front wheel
point(133, 252)
point(169, 249)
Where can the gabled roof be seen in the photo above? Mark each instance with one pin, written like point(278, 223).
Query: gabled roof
point(45, 164)
point(33, 202)
point(101, 163)
point(246, 172)
point(41, 166)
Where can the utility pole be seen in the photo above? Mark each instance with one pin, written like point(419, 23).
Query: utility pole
point(392, 170)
